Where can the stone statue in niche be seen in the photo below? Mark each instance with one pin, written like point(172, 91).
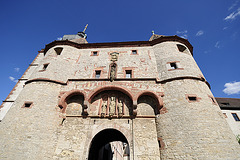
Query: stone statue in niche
point(113, 72)
point(104, 108)
point(112, 106)
point(120, 107)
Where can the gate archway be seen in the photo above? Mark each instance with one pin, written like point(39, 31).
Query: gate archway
point(107, 144)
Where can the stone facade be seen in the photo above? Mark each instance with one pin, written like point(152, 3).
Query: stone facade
point(76, 98)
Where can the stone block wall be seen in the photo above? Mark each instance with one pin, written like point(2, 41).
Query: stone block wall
point(171, 114)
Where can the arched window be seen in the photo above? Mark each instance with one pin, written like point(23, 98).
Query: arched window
point(182, 48)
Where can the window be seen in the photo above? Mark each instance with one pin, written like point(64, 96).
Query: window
point(159, 144)
point(134, 52)
point(27, 105)
point(95, 53)
point(58, 50)
point(226, 104)
point(45, 66)
point(173, 65)
point(128, 73)
point(181, 48)
point(235, 116)
point(97, 74)
point(192, 98)
point(212, 99)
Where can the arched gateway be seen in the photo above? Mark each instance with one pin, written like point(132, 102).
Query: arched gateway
point(109, 144)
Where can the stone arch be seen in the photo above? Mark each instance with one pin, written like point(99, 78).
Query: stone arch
point(105, 88)
point(111, 101)
point(158, 100)
point(101, 142)
point(63, 100)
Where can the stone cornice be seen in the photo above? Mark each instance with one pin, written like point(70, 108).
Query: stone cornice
point(120, 44)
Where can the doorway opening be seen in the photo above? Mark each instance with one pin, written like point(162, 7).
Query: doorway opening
point(109, 144)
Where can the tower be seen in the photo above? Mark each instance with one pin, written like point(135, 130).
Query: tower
point(131, 100)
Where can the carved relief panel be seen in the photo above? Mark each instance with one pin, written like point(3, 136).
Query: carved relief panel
point(111, 104)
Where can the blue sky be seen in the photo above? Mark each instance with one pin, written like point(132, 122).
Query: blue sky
point(211, 26)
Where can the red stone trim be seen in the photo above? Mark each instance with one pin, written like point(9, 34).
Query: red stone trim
point(27, 102)
point(213, 100)
point(174, 38)
point(192, 95)
point(64, 97)
point(173, 62)
point(134, 50)
point(93, 54)
point(157, 97)
point(225, 115)
point(93, 93)
point(162, 144)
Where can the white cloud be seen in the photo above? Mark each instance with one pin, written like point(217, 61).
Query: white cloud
point(199, 33)
point(232, 88)
point(233, 5)
point(59, 38)
point(217, 45)
point(207, 51)
point(233, 15)
point(183, 34)
point(224, 28)
point(16, 69)
point(13, 79)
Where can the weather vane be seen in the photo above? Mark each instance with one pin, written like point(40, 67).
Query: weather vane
point(83, 34)
point(85, 28)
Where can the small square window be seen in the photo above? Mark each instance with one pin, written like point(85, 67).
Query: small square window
point(128, 73)
point(95, 53)
point(97, 74)
point(235, 116)
point(173, 65)
point(134, 51)
point(192, 98)
point(45, 66)
point(27, 105)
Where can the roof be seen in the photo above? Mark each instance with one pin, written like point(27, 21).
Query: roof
point(229, 103)
point(159, 39)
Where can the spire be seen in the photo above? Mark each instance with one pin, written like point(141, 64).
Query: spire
point(83, 34)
